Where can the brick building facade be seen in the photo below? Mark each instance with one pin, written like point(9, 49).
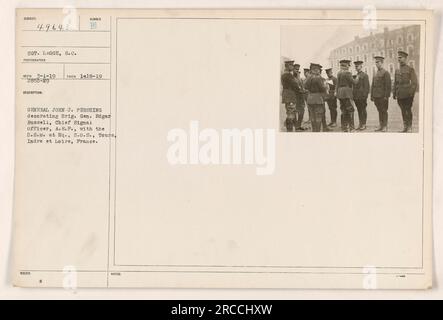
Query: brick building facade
point(386, 44)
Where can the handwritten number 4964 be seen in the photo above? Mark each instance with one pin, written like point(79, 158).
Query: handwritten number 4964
point(49, 27)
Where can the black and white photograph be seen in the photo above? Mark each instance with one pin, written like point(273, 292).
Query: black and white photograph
point(127, 174)
point(350, 78)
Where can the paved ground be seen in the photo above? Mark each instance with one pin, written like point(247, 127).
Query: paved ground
point(395, 122)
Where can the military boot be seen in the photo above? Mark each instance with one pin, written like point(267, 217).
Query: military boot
point(289, 124)
point(405, 127)
point(380, 121)
point(385, 122)
point(351, 122)
point(299, 122)
point(410, 123)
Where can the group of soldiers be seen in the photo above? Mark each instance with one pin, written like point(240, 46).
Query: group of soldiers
point(352, 91)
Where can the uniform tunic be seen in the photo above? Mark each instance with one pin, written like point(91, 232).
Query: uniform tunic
point(380, 93)
point(299, 95)
point(381, 85)
point(344, 94)
point(360, 93)
point(405, 85)
point(361, 86)
point(316, 103)
point(315, 86)
point(290, 88)
point(344, 85)
point(405, 82)
point(331, 98)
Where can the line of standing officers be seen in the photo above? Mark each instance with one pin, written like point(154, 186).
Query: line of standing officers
point(352, 92)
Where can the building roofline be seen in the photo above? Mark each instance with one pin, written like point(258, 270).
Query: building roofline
point(375, 35)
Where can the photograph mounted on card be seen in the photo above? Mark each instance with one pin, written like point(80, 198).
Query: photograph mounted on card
point(181, 148)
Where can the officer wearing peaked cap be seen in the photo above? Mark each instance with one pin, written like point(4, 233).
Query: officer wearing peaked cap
point(300, 100)
point(307, 74)
point(360, 94)
point(344, 94)
point(316, 104)
point(325, 95)
point(297, 67)
point(380, 93)
point(405, 85)
point(331, 98)
point(289, 94)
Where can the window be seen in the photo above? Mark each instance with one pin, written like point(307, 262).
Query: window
point(357, 58)
point(399, 49)
point(350, 50)
point(412, 63)
point(343, 51)
point(410, 37)
point(391, 42)
point(411, 51)
point(365, 47)
point(382, 53)
point(399, 39)
point(391, 54)
point(357, 49)
point(365, 59)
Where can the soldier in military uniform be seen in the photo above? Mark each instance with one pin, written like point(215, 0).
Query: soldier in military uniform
point(316, 104)
point(323, 120)
point(380, 93)
point(289, 98)
point(300, 99)
point(344, 95)
point(405, 84)
point(360, 94)
point(307, 74)
point(331, 99)
point(296, 68)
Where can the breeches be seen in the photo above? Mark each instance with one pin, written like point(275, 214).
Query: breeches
point(332, 104)
point(406, 110)
point(361, 105)
point(317, 112)
point(382, 107)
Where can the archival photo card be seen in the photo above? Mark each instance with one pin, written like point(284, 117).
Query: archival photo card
point(179, 148)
